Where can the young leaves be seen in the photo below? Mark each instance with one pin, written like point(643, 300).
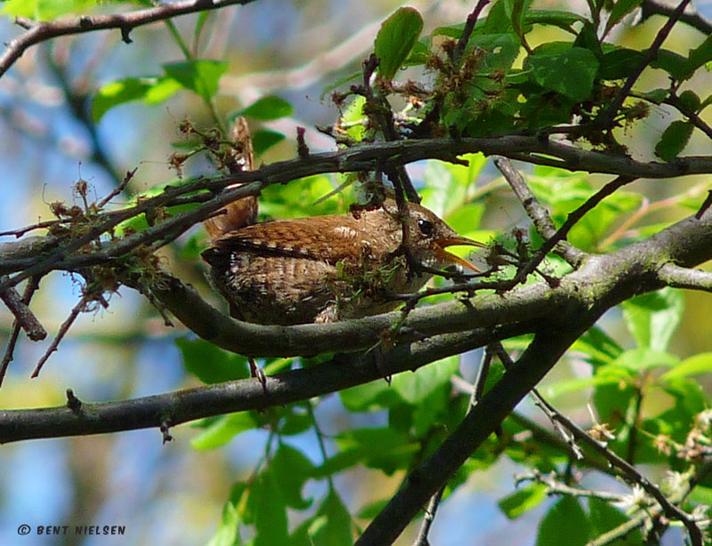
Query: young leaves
point(396, 39)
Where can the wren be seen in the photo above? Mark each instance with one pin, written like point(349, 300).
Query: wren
point(328, 268)
point(322, 268)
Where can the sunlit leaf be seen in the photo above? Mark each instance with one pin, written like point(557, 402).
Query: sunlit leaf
point(567, 519)
point(566, 70)
point(201, 76)
point(652, 318)
point(674, 139)
point(268, 108)
point(395, 39)
point(522, 500)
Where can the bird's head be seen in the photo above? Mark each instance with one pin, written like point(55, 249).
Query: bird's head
point(430, 236)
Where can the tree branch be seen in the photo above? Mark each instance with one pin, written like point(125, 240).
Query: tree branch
point(683, 277)
point(358, 158)
point(248, 394)
point(480, 422)
point(537, 212)
point(40, 32)
point(694, 19)
point(632, 475)
point(648, 57)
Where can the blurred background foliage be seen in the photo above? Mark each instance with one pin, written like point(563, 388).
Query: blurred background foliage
point(272, 61)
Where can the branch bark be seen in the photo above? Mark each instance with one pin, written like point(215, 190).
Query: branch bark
point(37, 32)
point(186, 405)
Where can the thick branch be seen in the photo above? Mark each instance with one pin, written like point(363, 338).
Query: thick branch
point(126, 22)
point(247, 394)
point(480, 422)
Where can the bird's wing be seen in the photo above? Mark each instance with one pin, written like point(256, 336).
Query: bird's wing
point(321, 238)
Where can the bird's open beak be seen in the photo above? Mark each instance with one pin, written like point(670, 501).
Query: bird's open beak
point(444, 255)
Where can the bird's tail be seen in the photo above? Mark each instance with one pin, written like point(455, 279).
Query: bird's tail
point(242, 212)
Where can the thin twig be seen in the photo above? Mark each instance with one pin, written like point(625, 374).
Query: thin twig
point(468, 29)
point(117, 190)
point(685, 277)
point(632, 475)
point(542, 404)
point(24, 317)
point(606, 119)
point(31, 287)
point(556, 487)
point(571, 220)
point(694, 19)
point(37, 32)
point(63, 329)
point(429, 518)
point(481, 378)
point(537, 212)
point(364, 157)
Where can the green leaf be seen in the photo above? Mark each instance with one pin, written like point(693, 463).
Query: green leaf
point(353, 116)
point(201, 76)
point(291, 470)
point(269, 509)
point(267, 108)
point(416, 386)
point(673, 140)
point(699, 56)
point(619, 63)
point(644, 358)
point(227, 533)
point(558, 18)
point(620, 10)
point(656, 95)
point(689, 101)
point(446, 185)
point(567, 519)
point(118, 92)
point(211, 364)
point(598, 345)
point(150, 90)
point(701, 495)
point(605, 517)
point(223, 430)
point(695, 365)
point(652, 318)
point(502, 49)
point(296, 420)
point(299, 198)
point(382, 448)
point(567, 70)
point(419, 54)
point(333, 524)
point(522, 500)
point(264, 139)
point(376, 395)
point(673, 63)
point(395, 39)
point(46, 10)
point(372, 509)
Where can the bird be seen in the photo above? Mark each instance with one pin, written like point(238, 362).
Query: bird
point(322, 268)
point(328, 268)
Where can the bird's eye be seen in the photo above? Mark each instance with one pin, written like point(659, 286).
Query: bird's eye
point(425, 227)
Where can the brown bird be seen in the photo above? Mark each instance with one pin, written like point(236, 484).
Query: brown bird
point(328, 268)
point(322, 268)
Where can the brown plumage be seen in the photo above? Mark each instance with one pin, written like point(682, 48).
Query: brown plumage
point(242, 212)
point(322, 268)
point(327, 268)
